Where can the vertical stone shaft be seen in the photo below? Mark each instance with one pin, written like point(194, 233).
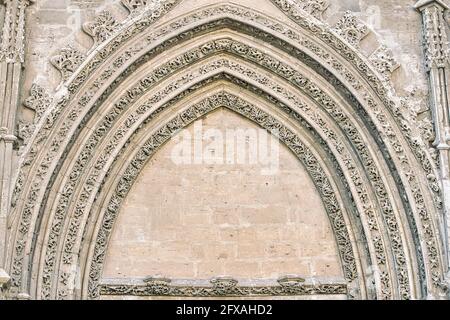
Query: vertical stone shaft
point(437, 63)
point(11, 63)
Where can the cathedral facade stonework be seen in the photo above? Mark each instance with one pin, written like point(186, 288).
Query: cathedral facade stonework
point(171, 149)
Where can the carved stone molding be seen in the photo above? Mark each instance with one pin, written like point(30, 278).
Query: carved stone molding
point(237, 47)
point(287, 70)
point(39, 101)
point(224, 287)
point(110, 118)
point(351, 29)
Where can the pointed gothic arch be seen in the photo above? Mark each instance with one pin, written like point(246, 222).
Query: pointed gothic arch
point(345, 101)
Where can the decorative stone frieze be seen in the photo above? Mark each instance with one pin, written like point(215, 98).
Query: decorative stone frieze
point(222, 287)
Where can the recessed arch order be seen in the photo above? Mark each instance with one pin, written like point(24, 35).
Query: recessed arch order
point(334, 111)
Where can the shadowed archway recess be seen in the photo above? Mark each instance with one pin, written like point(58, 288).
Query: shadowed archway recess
point(333, 110)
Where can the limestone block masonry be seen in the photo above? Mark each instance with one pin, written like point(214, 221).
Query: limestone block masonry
point(172, 149)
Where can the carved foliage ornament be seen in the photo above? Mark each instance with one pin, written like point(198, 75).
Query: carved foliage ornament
point(351, 29)
point(67, 61)
point(39, 101)
point(384, 62)
point(102, 27)
point(418, 117)
point(315, 8)
point(25, 130)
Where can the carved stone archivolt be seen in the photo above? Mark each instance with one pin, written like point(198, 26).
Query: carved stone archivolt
point(220, 64)
point(390, 183)
point(5, 282)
